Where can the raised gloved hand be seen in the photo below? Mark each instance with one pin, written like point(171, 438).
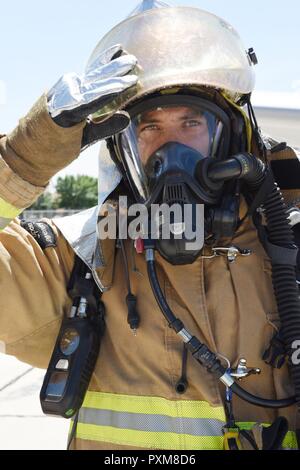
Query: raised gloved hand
point(56, 129)
point(74, 97)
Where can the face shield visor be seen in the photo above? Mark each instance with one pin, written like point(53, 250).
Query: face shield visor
point(179, 46)
point(167, 136)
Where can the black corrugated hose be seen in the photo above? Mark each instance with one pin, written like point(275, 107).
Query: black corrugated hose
point(284, 283)
point(278, 240)
point(278, 233)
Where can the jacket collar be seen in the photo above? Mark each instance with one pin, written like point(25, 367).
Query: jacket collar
point(80, 230)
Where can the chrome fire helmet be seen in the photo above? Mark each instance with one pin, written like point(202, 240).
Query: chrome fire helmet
point(180, 50)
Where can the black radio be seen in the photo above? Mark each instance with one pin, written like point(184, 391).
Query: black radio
point(76, 350)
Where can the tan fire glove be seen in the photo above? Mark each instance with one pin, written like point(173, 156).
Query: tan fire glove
point(38, 148)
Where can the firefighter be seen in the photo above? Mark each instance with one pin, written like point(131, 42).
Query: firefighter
point(166, 89)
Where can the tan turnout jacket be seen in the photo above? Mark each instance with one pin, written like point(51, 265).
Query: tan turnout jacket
point(230, 307)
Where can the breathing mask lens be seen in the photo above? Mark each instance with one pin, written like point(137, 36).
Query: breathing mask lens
point(164, 151)
point(190, 129)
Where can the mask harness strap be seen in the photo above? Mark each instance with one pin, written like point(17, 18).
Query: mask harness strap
point(246, 99)
point(278, 240)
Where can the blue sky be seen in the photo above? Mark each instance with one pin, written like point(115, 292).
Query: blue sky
point(39, 41)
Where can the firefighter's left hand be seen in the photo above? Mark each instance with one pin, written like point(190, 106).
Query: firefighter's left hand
point(73, 98)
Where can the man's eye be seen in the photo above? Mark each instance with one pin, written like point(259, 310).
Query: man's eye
point(149, 127)
point(192, 123)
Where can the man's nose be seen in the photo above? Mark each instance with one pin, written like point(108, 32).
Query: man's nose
point(172, 135)
point(172, 132)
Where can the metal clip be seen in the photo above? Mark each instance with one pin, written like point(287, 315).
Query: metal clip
point(243, 371)
point(83, 303)
point(231, 252)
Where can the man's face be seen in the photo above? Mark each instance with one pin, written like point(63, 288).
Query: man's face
point(182, 124)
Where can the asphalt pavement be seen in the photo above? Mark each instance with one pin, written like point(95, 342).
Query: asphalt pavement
point(23, 426)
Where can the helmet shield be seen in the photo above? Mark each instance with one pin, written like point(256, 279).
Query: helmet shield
point(181, 46)
point(191, 128)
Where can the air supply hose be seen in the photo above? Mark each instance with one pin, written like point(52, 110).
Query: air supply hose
point(278, 242)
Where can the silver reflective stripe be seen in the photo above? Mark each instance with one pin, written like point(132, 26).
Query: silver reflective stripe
point(151, 423)
point(4, 222)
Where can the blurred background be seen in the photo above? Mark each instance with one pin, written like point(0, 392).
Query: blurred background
point(39, 41)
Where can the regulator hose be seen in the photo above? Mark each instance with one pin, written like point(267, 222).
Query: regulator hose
point(241, 166)
point(278, 241)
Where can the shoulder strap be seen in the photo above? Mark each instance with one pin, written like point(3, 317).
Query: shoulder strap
point(42, 232)
point(82, 284)
point(79, 285)
point(285, 164)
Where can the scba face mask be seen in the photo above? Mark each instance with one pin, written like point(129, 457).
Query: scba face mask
point(167, 142)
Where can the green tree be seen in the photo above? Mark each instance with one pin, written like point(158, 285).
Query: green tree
point(77, 192)
point(44, 202)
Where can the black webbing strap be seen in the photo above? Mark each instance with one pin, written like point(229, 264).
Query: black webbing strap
point(286, 173)
point(79, 286)
point(277, 254)
point(273, 436)
point(78, 271)
point(42, 232)
point(262, 193)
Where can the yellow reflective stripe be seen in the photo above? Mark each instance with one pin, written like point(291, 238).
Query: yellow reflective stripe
point(150, 422)
point(7, 213)
point(153, 405)
point(153, 440)
point(7, 210)
point(289, 442)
